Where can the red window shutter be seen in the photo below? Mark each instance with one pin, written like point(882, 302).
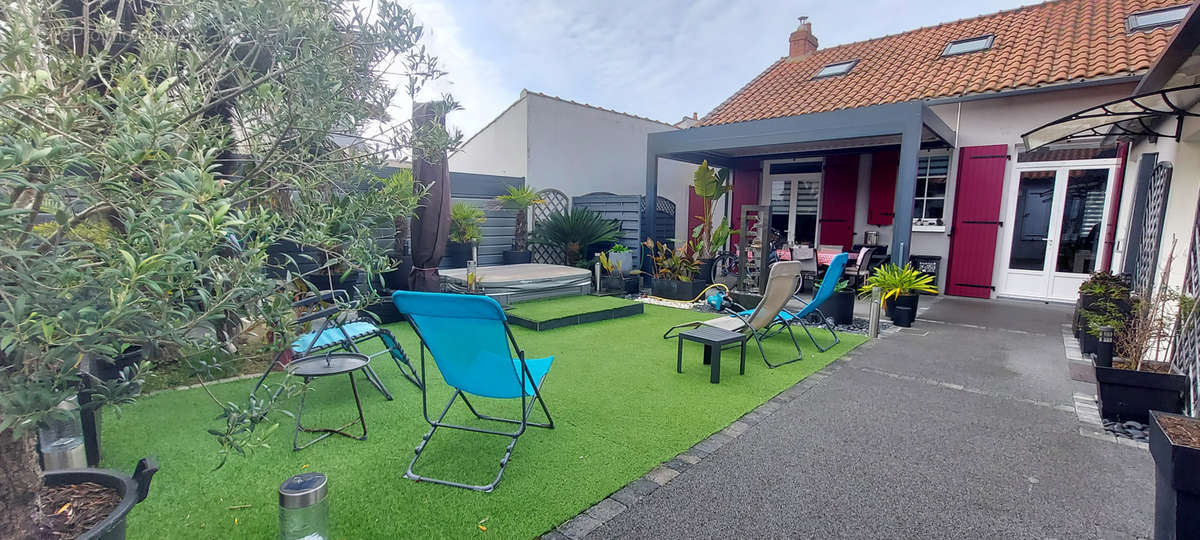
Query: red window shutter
point(695, 211)
point(839, 190)
point(979, 188)
point(881, 207)
point(745, 191)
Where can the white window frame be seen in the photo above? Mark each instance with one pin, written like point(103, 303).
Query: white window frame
point(923, 196)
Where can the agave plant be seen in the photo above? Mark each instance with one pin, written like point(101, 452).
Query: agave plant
point(573, 231)
point(520, 199)
point(896, 281)
point(465, 222)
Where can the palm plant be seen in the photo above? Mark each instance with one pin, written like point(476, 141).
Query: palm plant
point(573, 231)
point(465, 223)
point(520, 199)
point(710, 184)
point(896, 281)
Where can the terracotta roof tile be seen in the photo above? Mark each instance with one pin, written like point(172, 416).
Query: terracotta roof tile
point(1055, 41)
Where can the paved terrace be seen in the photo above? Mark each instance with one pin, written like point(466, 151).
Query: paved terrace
point(961, 427)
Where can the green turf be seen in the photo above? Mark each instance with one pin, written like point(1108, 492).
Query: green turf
point(619, 406)
point(553, 308)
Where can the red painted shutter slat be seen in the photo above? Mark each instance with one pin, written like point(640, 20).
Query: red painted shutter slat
point(695, 210)
point(745, 191)
point(980, 186)
point(838, 192)
point(881, 206)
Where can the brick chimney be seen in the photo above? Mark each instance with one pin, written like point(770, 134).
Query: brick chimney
point(802, 42)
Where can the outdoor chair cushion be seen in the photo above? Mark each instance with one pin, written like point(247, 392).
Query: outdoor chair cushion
point(333, 335)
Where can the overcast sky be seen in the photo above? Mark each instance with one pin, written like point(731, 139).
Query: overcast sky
point(662, 59)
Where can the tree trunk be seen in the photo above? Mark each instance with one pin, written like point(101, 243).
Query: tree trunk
point(521, 232)
point(19, 482)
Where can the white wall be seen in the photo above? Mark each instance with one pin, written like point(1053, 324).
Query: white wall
point(500, 148)
point(580, 149)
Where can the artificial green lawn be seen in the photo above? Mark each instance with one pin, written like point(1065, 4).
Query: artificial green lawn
point(619, 407)
point(545, 310)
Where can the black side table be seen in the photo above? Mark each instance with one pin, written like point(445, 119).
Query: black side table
point(714, 340)
point(325, 365)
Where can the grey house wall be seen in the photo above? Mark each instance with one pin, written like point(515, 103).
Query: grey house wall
point(480, 190)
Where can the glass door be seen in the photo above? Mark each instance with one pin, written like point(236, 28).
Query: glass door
point(1057, 216)
point(794, 191)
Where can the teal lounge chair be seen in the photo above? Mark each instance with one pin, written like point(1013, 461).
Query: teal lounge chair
point(470, 340)
point(828, 284)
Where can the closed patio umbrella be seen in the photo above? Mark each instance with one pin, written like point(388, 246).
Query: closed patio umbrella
point(431, 224)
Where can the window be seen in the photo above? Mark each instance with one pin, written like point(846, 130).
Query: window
point(1149, 20)
point(969, 45)
point(929, 202)
point(833, 70)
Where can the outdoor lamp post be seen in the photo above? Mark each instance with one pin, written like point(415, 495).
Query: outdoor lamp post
point(1104, 347)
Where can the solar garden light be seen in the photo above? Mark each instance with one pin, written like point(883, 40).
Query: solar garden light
point(472, 275)
point(873, 320)
point(60, 439)
point(1104, 347)
point(304, 508)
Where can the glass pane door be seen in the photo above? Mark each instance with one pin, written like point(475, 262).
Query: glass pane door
point(1082, 219)
point(1031, 221)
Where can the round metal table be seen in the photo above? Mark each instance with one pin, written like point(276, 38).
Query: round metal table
point(326, 365)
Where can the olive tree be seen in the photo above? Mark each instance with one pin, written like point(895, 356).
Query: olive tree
point(150, 152)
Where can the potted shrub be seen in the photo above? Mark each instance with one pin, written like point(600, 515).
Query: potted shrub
point(709, 184)
point(621, 257)
point(672, 271)
point(1100, 286)
point(573, 231)
point(840, 306)
point(615, 279)
point(199, 162)
point(520, 199)
point(1175, 447)
point(900, 285)
point(465, 232)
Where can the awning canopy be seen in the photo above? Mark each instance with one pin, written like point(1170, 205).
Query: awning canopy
point(1134, 116)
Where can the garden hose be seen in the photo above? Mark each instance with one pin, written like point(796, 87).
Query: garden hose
point(698, 297)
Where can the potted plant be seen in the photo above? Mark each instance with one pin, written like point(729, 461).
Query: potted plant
point(840, 306)
point(466, 230)
point(900, 286)
point(1175, 447)
point(520, 199)
point(710, 184)
point(672, 271)
point(199, 162)
point(1100, 286)
point(615, 279)
point(573, 231)
point(1142, 378)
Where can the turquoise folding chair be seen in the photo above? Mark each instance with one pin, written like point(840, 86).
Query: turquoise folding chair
point(828, 285)
point(469, 339)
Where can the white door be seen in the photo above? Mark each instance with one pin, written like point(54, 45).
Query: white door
point(1056, 221)
point(792, 190)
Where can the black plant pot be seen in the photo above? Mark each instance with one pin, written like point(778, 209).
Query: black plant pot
point(1125, 394)
point(517, 257)
point(904, 316)
point(705, 273)
point(458, 253)
point(907, 300)
point(618, 284)
point(676, 290)
point(841, 307)
point(1176, 484)
point(335, 281)
point(133, 490)
point(1088, 342)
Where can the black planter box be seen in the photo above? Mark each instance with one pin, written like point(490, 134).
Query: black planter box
point(1176, 485)
point(516, 257)
point(1088, 343)
point(676, 290)
point(909, 300)
point(705, 274)
point(840, 307)
point(1130, 395)
point(623, 285)
point(458, 253)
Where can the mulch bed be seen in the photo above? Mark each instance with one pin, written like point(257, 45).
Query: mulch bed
point(1152, 367)
point(70, 511)
point(1181, 431)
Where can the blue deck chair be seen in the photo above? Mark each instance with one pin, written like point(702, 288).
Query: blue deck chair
point(333, 333)
point(469, 339)
point(828, 284)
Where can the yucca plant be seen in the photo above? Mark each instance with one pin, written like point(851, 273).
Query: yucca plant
point(520, 199)
point(896, 281)
point(465, 223)
point(573, 231)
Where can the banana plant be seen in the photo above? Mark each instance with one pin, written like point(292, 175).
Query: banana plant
point(710, 184)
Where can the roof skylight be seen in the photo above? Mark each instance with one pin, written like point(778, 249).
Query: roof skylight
point(969, 45)
point(833, 70)
point(1149, 20)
